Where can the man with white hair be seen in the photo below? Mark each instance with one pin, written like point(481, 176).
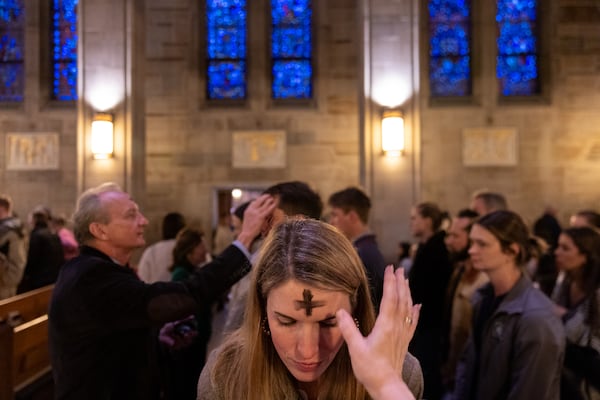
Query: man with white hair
point(103, 319)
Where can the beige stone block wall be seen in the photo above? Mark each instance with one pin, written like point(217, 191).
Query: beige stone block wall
point(189, 140)
point(558, 161)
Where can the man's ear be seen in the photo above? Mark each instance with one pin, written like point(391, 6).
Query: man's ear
point(97, 230)
point(353, 216)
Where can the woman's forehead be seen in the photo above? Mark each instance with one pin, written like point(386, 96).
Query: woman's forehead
point(300, 297)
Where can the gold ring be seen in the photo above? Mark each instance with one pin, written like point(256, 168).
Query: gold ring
point(408, 320)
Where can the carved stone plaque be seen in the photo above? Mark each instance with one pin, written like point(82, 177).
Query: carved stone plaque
point(490, 147)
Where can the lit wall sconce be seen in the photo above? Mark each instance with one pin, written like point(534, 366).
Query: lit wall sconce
point(102, 136)
point(392, 133)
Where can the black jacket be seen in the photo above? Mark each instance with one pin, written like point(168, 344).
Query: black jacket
point(103, 322)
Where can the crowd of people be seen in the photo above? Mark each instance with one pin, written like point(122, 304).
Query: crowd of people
point(490, 308)
point(32, 260)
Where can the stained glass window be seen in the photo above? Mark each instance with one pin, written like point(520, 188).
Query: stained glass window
point(12, 29)
point(517, 61)
point(64, 50)
point(226, 49)
point(291, 49)
point(450, 47)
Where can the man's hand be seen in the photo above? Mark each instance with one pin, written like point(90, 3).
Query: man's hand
point(254, 217)
point(178, 334)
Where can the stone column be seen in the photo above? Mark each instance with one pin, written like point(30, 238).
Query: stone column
point(110, 66)
point(391, 80)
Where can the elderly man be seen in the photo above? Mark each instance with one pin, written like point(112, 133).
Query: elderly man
point(104, 320)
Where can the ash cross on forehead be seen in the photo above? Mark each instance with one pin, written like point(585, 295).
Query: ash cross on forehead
point(307, 303)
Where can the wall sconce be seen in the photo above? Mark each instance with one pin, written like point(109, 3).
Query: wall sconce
point(392, 133)
point(102, 136)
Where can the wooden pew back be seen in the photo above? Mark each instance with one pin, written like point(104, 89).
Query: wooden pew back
point(29, 305)
point(25, 345)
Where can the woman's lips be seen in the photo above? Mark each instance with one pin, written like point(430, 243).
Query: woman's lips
point(306, 367)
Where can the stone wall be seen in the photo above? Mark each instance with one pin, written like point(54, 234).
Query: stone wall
point(189, 140)
point(558, 137)
point(56, 188)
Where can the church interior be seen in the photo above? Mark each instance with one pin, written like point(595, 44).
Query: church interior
point(200, 98)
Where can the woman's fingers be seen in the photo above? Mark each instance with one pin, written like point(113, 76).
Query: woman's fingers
point(349, 330)
point(389, 301)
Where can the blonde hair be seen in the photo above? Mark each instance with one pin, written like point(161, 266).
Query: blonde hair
point(318, 255)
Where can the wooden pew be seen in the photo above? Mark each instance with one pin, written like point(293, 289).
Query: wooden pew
point(24, 354)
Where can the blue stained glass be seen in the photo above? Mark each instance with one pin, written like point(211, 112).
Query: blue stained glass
point(450, 76)
point(12, 26)
point(517, 62)
point(226, 49)
point(226, 43)
point(516, 10)
point(292, 80)
point(518, 75)
point(291, 49)
point(449, 48)
point(291, 43)
point(227, 80)
point(517, 38)
point(449, 10)
point(64, 50)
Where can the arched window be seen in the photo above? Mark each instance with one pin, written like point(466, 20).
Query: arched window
point(12, 38)
point(64, 50)
point(517, 62)
point(450, 48)
point(226, 49)
point(291, 49)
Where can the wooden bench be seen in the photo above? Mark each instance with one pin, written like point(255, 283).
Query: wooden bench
point(24, 354)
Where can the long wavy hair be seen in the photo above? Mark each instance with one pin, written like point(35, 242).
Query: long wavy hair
point(587, 241)
point(316, 254)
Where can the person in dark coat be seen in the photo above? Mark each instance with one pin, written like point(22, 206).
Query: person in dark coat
point(428, 278)
point(350, 214)
point(45, 255)
point(104, 321)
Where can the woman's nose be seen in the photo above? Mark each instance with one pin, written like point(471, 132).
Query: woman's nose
point(308, 343)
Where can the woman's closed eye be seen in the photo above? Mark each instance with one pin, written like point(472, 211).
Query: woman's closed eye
point(286, 321)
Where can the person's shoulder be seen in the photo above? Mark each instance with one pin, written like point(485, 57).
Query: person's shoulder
point(215, 374)
point(412, 375)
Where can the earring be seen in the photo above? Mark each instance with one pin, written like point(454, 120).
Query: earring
point(356, 322)
point(265, 326)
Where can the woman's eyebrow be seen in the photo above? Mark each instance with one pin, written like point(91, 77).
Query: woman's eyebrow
point(329, 317)
point(282, 315)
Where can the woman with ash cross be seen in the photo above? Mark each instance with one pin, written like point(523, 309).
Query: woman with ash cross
point(310, 293)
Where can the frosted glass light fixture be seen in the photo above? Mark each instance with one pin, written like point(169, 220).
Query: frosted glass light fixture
point(102, 136)
point(392, 133)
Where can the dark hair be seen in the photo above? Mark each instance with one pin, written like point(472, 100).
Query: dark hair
point(6, 202)
point(186, 241)
point(467, 213)
point(433, 212)
point(41, 216)
point(591, 216)
point(587, 241)
point(492, 200)
point(508, 227)
point(352, 199)
point(239, 210)
point(548, 228)
point(405, 249)
point(171, 225)
point(297, 198)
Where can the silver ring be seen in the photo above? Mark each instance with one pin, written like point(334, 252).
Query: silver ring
point(408, 320)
